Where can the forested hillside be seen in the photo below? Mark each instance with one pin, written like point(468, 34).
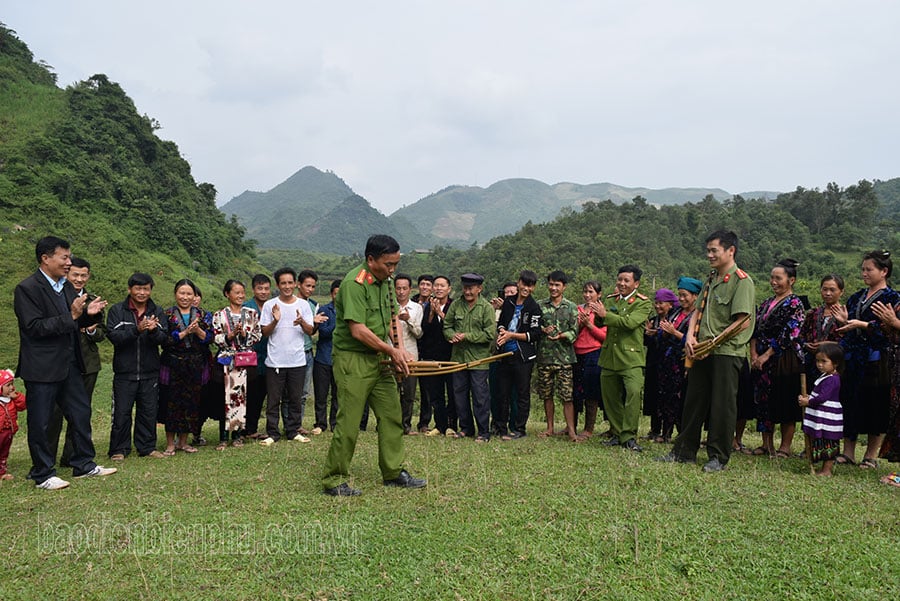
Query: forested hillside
point(81, 163)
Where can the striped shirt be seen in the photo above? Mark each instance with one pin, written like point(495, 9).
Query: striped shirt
point(824, 417)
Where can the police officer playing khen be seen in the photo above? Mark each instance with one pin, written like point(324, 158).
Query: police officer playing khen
point(366, 317)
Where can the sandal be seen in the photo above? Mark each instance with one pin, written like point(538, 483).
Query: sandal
point(186, 448)
point(760, 451)
point(739, 448)
point(222, 445)
point(868, 464)
point(169, 452)
point(782, 455)
point(237, 442)
point(844, 460)
point(482, 439)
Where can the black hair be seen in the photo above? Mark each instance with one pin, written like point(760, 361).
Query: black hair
point(882, 260)
point(403, 276)
point(335, 285)
point(381, 244)
point(833, 277)
point(528, 277)
point(306, 274)
point(284, 270)
point(558, 276)
point(834, 352)
point(726, 238)
point(48, 245)
point(425, 277)
point(141, 279)
point(180, 283)
point(80, 263)
point(230, 284)
point(593, 284)
point(260, 278)
point(634, 270)
point(789, 266)
point(442, 277)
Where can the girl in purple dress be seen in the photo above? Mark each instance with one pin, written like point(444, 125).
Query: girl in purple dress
point(823, 420)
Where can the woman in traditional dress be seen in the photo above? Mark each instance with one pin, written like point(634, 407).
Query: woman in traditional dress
point(890, 448)
point(671, 372)
point(237, 329)
point(586, 374)
point(664, 305)
point(820, 325)
point(866, 387)
point(776, 361)
point(183, 367)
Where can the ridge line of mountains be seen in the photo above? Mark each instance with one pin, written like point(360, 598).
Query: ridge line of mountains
point(317, 211)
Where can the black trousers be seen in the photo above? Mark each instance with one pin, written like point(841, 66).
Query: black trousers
point(54, 429)
point(142, 396)
point(407, 399)
point(256, 394)
point(323, 382)
point(513, 375)
point(72, 400)
point(440, 391)
point(285, 387)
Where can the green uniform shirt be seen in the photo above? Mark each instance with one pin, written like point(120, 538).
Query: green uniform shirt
point(363, 299)
point(730, 295)
point(478, 325)
point(624, 345)
point(565, 317)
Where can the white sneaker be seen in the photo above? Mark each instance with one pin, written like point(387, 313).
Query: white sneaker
point(450, 432)
point(267, 441)
point(300, 438)
point(53, 483)
point(99, 470)
point(316, 431)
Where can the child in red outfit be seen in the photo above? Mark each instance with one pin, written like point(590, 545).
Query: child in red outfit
point(11, 402)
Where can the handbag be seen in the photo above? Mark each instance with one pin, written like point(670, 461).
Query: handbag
point(245, 359)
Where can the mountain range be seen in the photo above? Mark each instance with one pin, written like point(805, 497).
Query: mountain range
point(317, 210)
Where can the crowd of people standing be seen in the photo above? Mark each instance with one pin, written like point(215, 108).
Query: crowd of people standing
point(703, 355)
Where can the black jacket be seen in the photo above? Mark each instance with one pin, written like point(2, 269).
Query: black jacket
point(136, 353)
point(48, 336)
point(529, 324)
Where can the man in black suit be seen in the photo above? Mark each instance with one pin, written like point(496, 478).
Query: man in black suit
point(50, 315)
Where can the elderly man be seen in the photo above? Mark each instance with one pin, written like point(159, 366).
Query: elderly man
point(469, 327)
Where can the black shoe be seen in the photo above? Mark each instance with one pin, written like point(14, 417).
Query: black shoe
point(405, 480)
point(632, 445)
point(613, 441)
point(671, 457)
point(713, 465)
point(517, 435)
point(342, 490)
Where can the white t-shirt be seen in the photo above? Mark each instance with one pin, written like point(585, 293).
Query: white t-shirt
point(285, 347)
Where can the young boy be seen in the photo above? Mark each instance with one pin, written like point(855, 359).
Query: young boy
point(11, 402)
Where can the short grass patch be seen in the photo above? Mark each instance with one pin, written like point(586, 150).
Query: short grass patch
point(527, 519)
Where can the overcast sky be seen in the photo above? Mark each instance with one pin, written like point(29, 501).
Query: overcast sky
point(401, 99)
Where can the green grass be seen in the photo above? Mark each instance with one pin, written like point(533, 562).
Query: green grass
point(529, 519)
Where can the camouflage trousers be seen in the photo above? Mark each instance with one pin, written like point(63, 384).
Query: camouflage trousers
point(554, 377)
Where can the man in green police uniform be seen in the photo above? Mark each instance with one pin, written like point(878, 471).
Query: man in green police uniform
point(366, 317)
point(624, 356)
point(726, 298)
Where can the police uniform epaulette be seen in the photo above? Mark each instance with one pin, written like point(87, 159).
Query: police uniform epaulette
point(363, 277)
point(642, 296)
point(741, 274)
point(613, 295)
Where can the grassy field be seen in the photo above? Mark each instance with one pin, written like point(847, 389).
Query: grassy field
point(528, 519)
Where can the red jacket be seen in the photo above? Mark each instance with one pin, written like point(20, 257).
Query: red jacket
point(9, 411)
